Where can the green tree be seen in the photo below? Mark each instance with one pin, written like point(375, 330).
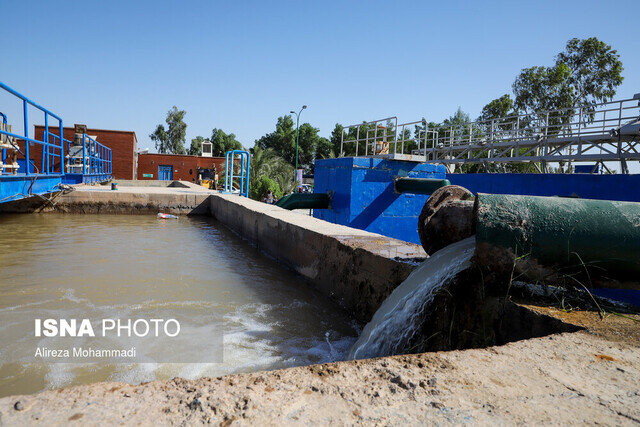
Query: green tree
point(499, 108)
point(171, 140)
point(595, 70)
point(324, 149)
point(259, 189)
point(266, 163)
point(223, 142)
point(196, 146)
point(336, 138)
point(540, 89)
point(283, 142)
point(587, 72)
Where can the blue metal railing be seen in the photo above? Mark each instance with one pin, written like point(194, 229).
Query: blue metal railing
point(243, 176)
point(97, 159)
point(50, 151)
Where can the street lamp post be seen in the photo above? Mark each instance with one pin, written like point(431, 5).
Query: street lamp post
point(297, 135)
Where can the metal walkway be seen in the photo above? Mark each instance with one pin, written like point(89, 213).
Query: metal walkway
point(605, 132)
point(34, 167)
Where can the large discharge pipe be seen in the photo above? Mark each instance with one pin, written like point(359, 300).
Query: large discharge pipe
point(542, 234)
point(305, 201)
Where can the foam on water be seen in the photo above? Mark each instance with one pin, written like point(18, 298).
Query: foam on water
point(397, 319)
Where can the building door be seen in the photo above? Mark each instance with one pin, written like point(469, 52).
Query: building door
point(165, 172)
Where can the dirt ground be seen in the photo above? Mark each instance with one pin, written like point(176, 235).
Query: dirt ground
point(591, 376)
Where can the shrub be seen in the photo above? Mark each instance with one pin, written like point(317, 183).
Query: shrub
point(258, 190)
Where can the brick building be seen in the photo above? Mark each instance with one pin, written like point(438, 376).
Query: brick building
point(123, 145)
point(175, 166)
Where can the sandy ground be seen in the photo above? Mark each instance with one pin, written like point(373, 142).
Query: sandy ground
point(591, 376)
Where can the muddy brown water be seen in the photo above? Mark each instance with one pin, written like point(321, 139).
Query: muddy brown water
point(108, 266)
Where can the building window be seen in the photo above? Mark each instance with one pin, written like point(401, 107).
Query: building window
point(190, 171)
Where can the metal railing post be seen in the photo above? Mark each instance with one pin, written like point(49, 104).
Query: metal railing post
point(84, 154)
point(26, 136)
point(62, 162)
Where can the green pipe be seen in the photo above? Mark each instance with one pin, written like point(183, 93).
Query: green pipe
point(305, 201)
point(418, 185)
point(571, 232)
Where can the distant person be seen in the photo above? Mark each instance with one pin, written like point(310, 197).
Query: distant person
point(269, 198)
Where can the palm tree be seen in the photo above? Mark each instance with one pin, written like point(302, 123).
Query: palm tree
point(265, 162)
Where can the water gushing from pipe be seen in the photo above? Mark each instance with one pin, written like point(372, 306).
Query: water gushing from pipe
point(398, 318)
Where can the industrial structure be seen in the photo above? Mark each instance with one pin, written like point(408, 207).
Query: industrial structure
point(599, 134)
point(123, 145)
point(42, 164)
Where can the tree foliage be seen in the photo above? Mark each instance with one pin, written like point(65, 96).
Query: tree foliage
point(283, 142)
point(196, 146)
point(223, 142)
point(267, 163)
point(172, 138)
point(259, 189)
point(587, 72)
point(499, 108)
point(595, 70)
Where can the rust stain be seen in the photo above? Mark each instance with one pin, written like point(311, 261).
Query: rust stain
point(605, 357)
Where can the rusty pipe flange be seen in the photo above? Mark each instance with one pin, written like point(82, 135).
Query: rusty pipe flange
point(447, 217)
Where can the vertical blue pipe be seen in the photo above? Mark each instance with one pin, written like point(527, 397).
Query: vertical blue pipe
point(248, 174)
point(227, 173)
point(241, 173)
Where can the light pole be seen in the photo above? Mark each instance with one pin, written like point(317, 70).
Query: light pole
point(297, 135)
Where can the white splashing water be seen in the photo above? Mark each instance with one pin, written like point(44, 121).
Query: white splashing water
point(397, 319)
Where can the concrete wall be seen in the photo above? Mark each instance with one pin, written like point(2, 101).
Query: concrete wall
point(357, 268)
point(363, 196)
point(586, 186)
point(127, 200)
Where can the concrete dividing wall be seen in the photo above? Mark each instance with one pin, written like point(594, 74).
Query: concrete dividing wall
point(357, 268)
point(127, 200)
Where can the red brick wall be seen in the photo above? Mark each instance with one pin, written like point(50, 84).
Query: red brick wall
point(184, 167)
point(123, 145)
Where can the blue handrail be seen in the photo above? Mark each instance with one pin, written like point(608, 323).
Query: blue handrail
point(245, 161)
point(97, 159)
point(49, 151)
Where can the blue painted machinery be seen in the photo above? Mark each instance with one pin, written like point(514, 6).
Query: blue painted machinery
point(236, 172)
point(61, 161)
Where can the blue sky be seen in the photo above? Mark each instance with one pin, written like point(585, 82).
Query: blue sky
point(238, 65)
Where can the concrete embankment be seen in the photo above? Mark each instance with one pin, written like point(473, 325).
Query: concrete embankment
point(184, 199)
point(586, 377)
point(355, 267)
